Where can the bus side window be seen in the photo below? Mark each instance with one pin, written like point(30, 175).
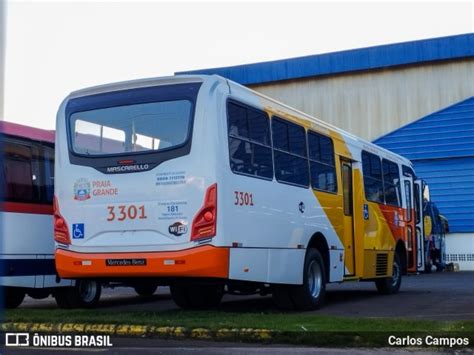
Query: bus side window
point(408, 198)
point(391, 183)
point(289, 150)
point(373, 182)
point(417, 204)
point(18, 173)
point(322, 162)
point(249, 141)
point(48, 175)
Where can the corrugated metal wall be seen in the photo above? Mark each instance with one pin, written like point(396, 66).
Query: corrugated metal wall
point(441, 146)
point(373, 103)
point(353, 60)
point(367, 91)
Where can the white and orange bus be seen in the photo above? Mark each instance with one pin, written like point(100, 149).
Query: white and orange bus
point(26, 221)
point(202, 184)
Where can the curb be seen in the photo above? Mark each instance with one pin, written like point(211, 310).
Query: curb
point(129, 330)
point(250, 335)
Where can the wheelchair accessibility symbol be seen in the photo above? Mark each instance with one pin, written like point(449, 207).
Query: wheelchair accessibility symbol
point(78, 231)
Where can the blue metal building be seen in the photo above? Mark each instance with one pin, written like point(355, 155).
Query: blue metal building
point(441, 146)
point(353, 60)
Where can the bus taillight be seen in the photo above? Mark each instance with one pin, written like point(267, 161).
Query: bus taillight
point(205, 221)
point(61, 231)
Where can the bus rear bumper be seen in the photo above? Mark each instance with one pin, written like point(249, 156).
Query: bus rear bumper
point(203, 261)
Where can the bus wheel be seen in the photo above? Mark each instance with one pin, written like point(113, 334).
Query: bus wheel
point(310, 295)
point(145, 290)
point(85, 294)
point(391, 285)
point(14, 296)
point(197, 296)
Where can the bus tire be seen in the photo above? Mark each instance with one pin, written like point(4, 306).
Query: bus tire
point(391, 285)
point(197, 296)
point(85, 294)
point(145, 290)
point(310, 295)
point(13, 296)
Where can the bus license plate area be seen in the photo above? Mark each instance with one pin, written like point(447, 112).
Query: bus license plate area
point(125, 262)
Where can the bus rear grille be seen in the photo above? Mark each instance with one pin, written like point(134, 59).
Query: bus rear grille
point(381, 265)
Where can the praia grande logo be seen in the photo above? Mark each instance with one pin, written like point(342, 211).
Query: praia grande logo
point(177, 229)
point(82, 189)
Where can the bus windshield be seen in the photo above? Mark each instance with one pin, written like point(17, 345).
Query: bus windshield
point(131, 128)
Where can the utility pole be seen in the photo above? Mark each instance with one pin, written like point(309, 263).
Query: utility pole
point(3, 38)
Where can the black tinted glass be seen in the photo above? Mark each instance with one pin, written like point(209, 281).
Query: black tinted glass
point(237, 120)
point(291, 169)
point(297, 140)
point(280, 135)
point(259, 127)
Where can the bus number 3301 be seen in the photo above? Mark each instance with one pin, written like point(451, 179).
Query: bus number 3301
point(122, 212)
point(243, 198)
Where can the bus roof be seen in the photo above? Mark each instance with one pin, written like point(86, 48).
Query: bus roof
point(19, 130)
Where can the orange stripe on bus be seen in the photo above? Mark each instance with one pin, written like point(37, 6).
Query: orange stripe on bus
point(393, 215)
point(203, 261)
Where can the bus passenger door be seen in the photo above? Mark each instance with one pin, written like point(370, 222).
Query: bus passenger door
point(420, 232)
point(410, 241)
point(348, 203)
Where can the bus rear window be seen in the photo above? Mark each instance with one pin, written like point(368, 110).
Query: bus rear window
point(131, 128)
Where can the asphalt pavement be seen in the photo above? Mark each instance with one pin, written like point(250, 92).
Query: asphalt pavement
point(437, 296)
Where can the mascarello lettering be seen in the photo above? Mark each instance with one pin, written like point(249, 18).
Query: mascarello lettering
point(127, 168)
